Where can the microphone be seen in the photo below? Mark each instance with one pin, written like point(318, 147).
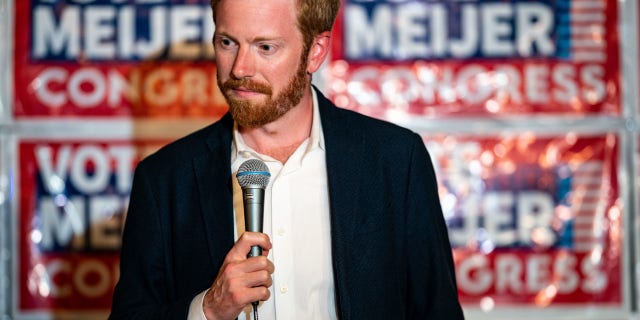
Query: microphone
point(253, 177)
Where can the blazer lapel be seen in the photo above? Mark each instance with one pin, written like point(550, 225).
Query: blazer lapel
point(213, 175)
point(344, 156)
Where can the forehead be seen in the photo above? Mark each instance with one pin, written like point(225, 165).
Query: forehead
point(256, 16)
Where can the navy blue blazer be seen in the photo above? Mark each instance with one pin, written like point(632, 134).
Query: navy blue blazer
point(391, 253)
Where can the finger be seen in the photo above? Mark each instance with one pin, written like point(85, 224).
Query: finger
point(242, 290)
point(250, 273)
point(247, 240)
point(238, 269)
point(255, 264)
point(260, 278)
point(261, 263)
point(260, 239)
point(257, 294)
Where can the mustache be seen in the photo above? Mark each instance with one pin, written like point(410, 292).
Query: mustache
point(232, 84)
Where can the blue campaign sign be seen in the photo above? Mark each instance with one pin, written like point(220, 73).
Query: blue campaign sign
point(120, 30)
point(78, 188)
point(447, 29)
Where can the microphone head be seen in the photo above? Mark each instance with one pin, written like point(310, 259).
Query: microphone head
point(253, 173)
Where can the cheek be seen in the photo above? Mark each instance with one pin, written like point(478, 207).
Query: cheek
point(221, 77)
point(223, 64)
point(281, 75)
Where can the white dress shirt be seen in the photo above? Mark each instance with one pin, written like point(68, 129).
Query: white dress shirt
point(296, 218)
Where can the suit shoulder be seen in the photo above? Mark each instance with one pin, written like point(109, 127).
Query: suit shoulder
point(358, 121)
point(184, 149)
point(374, 126)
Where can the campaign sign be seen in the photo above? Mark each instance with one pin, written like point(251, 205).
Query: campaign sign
point(73, 200)
point(533, 220)
point(106, 58)
point(476, 58)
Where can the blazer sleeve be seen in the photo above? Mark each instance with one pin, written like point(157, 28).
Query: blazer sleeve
point(432, 286)
point(143, 290)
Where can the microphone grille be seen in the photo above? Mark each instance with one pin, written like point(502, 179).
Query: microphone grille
point(253, 172)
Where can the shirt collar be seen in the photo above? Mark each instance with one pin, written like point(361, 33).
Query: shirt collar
point(239, 149)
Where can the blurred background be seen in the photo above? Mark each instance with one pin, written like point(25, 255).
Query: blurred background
point(529, 109)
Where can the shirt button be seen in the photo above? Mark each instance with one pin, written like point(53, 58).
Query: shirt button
point(284, 289)
point(282, 232)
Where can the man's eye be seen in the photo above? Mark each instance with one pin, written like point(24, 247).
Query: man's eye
point(266, 47)
point(224, 42)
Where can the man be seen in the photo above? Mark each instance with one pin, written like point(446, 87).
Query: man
point(353, 225)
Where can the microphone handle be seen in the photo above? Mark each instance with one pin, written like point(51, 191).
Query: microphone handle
point(256, 251)
point(253, 201)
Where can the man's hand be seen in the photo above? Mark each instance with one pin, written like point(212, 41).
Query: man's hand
point(240, 281)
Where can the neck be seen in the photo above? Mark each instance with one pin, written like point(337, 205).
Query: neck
point(281, 138)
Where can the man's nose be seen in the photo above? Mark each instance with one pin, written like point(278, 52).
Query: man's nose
point(244, 64)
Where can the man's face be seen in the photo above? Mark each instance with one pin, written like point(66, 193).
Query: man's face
point(261, 70)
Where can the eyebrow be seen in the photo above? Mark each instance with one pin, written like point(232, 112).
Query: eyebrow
point(256, 39)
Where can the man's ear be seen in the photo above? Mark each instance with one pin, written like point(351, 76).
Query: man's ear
point(318, 51)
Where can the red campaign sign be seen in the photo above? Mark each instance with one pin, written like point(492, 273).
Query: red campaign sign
point(73, 200)
point(487, 58)
point(119, 65)
point(533, 220)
